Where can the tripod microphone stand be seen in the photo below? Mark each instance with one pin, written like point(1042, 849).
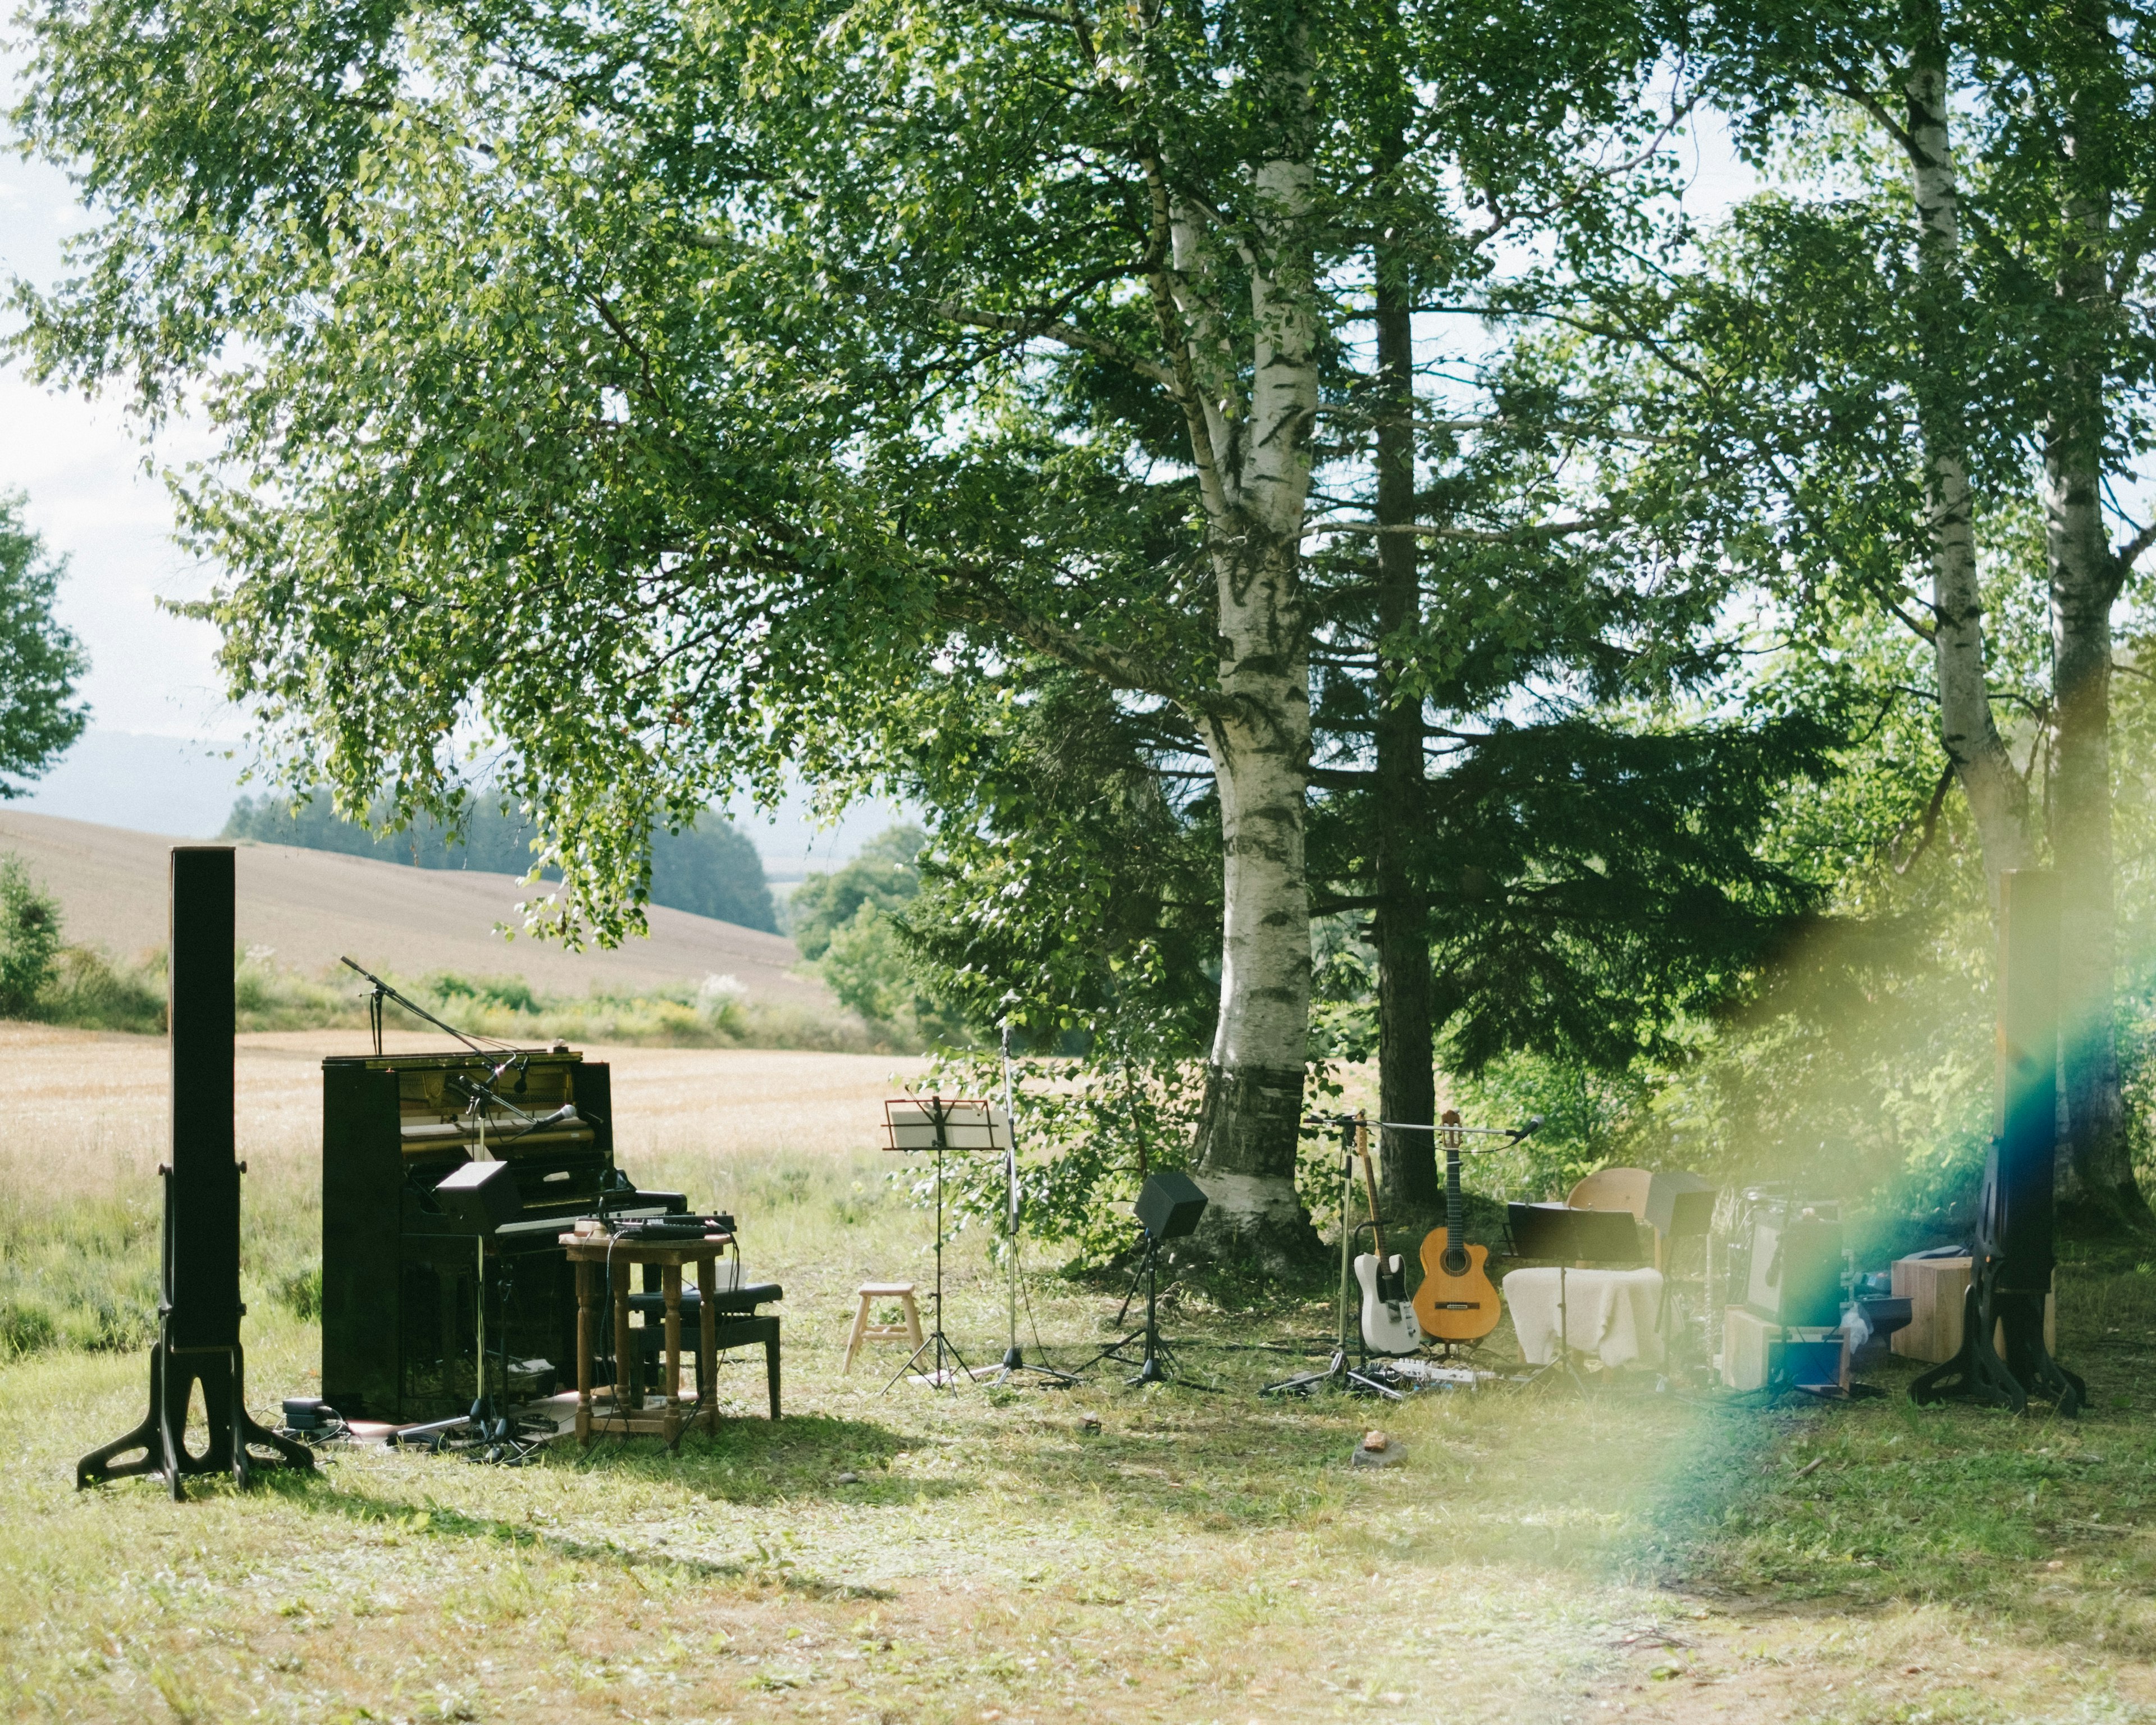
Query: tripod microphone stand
point(1014, 1361)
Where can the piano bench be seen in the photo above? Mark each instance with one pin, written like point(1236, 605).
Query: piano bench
point(739, 1324)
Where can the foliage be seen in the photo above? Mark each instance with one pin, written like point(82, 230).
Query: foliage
point(29, 938)
point(90, 992)
point(1088, 1130)
point(710, 869)
point(885, 875)
point(40, 661)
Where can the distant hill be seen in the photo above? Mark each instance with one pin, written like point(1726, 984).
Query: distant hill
point(154, 783)
point(710, 871)
point(309, 907)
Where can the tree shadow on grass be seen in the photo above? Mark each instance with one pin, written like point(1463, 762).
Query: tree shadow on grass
point(767, 1461)
point(435, 1521)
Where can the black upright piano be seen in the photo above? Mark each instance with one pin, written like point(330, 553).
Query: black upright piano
point(400, 1275)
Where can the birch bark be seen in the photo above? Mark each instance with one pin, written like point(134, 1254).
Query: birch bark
point(1253, 462)
point(2095, 1172)
point(1997, 797)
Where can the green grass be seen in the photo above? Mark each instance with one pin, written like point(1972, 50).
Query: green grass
point(91, 990)
point(1200, 1556)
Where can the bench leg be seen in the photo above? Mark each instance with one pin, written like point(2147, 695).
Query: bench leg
point(860, 1329)
point(707, 1353)
point(770, 1372)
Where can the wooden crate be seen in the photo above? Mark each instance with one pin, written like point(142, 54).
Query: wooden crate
point(1936, 1289)
point(1748, 1341)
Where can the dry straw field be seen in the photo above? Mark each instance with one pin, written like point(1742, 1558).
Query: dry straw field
point(995, 1555)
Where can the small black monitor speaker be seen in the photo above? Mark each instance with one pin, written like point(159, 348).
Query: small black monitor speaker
point(480, 1196)
point(1170, 1204)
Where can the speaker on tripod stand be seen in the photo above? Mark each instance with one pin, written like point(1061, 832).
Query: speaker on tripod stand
point(1168, 1208)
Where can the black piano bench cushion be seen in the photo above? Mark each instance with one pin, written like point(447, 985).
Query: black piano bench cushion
point(727, 1301)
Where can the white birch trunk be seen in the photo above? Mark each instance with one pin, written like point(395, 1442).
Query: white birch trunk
point(2095, 1171)
point(1259, 735)
point(1997, 797)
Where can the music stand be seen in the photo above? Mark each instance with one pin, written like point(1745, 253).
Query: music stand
point(941, 1124)
point(1570, 1238)
point(1689, 1215)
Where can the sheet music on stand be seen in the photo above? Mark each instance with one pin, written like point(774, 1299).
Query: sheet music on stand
point(943, 1126)
point(966, 1123)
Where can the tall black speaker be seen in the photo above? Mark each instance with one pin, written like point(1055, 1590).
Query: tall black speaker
point(199, 1309)
point(2015, 1212)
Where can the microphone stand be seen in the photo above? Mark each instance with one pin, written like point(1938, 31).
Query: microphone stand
point(1014, 1360)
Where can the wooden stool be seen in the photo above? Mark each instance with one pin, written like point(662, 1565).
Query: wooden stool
point(863, 1330)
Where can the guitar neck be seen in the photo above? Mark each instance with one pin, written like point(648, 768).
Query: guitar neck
point(1452, 1200)
point(1369, 1186)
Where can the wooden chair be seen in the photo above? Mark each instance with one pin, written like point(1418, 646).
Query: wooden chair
point(907, 1330)
point(1616, 1189)
point(1613, 1189)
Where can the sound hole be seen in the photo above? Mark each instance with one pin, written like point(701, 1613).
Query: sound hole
point(1455, 1260)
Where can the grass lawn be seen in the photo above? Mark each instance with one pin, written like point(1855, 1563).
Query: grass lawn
point(1200, 1556)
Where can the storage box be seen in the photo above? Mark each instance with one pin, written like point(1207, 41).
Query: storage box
point(1747, 1344)
point(1937, 1290)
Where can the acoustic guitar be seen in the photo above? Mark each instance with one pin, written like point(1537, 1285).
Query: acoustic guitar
point(1457, 1302)
point(1390, 1326)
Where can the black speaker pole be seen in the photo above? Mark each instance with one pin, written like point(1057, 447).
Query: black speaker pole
point(199, 1309)
point(2011, 1272)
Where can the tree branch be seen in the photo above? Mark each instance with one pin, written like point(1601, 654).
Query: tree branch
point(971, 596)
point(1479, 536)
point(1055, 329)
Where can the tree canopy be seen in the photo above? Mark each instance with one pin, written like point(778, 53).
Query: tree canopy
point(40, 659)
point(1237, 465)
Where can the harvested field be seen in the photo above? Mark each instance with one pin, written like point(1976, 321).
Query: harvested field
point(309, 907)
point(989, 1555)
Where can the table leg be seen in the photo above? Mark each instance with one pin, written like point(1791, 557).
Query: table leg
point(707, 1341)
point(627, 1403)
point(669, 1277)
point(584, 1339)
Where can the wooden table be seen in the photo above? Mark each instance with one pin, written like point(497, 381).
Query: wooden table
point(592, 1254)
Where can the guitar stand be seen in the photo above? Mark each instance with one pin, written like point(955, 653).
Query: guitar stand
point(1339, 1374)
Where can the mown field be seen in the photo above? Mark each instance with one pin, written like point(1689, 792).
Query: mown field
point(990, 1555)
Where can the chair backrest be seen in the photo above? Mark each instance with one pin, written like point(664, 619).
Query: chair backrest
point(1613, 1189)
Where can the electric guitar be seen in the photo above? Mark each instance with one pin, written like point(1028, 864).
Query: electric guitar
point(1389, 1322)
point(1457, 1302)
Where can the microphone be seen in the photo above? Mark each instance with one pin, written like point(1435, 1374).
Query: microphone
point(1534, 1124)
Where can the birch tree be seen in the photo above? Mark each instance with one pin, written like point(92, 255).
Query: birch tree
point(2019, 350)
point(652, 392)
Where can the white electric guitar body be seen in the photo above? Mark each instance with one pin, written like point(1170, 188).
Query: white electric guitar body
point(1388, 1325)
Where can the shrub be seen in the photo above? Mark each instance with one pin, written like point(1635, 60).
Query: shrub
point(89, 992)
point(29, 939)
point(301, 1293)
point(26, 1328)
